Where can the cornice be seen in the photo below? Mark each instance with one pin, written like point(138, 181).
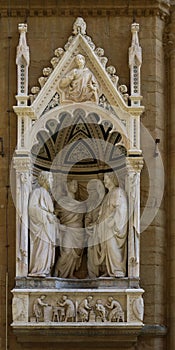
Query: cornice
point(75, 8)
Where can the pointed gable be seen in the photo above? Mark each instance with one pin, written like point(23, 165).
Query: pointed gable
point(64, 62)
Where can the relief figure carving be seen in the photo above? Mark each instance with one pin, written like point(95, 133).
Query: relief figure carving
point(85, 308)
point(69, 307)
point(115, 313)
point(38, 308)
point(79, 85)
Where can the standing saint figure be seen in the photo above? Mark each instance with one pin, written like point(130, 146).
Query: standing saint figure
point(79, 85)
point(96, 192)
point(43, 228)
point(111, 229)
point(70, 213)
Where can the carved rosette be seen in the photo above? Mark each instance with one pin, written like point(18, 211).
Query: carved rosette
point(20, 307)
point(135, 308)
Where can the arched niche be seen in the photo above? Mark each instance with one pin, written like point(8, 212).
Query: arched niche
point(82, 139)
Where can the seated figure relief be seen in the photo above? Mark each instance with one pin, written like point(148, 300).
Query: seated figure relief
point(79, 85)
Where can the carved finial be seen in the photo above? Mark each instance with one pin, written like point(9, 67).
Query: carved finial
point(135, 61)
point(79, 26)
point(22, 61)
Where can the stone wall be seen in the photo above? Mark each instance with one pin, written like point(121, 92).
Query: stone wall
point(108, 22)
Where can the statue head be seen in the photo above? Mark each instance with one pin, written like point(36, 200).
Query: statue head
point(89, 298)
point(80, 60)
point(96, 192)
point(72, 186)
point(45, 179)
point(110, 299)
point(64, 297)
point(110, 178)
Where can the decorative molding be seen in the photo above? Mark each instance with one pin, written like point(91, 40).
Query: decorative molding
point(160, 8)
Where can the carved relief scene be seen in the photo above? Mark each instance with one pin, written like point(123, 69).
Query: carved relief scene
point(78, 163)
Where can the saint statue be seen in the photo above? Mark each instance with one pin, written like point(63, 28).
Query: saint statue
point(43, 228)
point(111, 230)
point(70, 213)
point(79, 85)
point(96, 192)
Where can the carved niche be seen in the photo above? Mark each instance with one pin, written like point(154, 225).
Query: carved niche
point(78, 162)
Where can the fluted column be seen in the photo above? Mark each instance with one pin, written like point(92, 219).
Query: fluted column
point(23, 188)
point(134, 166)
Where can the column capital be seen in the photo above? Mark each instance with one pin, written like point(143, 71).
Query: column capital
point(134, 164)
point(22, 164)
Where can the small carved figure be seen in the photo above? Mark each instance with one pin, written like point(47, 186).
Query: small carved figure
point(84, 309)
point(38, 307)
point(100, 53)
point(58, 53)
point(79, 85)
point(34, 93)
point(69, 308)
point(116, 314)
point(100, 311)
point(123, 91)
point(111, 72)
point(46, 72)
point(71, 233)
point(43, 228)
point(111, 229)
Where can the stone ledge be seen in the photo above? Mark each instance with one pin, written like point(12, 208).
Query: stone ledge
point(61, 283)
point(154, 330)
point(95, 336)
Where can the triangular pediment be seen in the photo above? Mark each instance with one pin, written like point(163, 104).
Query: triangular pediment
point(109, 93)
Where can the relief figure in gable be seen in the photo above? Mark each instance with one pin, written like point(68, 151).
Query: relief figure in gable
point(80, 85)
